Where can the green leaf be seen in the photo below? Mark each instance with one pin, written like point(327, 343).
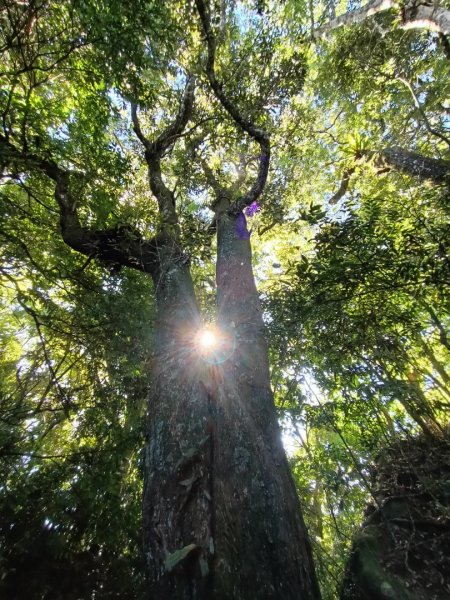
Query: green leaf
point(173, 559)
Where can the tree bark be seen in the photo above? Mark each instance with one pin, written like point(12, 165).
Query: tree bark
point(221, 517)
point(356, 16)
point(221, 513)
point(177, 500)
point(423, 16)
point(411, 163)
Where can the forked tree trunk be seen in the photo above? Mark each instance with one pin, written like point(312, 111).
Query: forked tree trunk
point(221, 514)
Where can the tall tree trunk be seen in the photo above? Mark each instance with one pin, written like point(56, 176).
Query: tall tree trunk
point(261, 544)
point(176, 504)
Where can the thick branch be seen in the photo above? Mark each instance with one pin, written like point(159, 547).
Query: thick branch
point(356, 16)
point(414, 164)
point(411, 163)
point(137, 127)
point(11, 156)
point(120, 246)
point(259, 135)
point(413, 15)
point(175, 129)
point(434, 18)
point(343, 187)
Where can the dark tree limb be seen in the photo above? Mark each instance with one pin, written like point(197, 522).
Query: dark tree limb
point(343, 188)
point(399, 159)
point(121, 246)
point(248, 126)
point(137, 127)
point(175, 129)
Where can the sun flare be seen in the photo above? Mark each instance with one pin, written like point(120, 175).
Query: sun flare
point(214, 344)
point(206, 339)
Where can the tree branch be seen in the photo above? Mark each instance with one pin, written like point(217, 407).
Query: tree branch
point(422, 112)
point(137, 127)
point(175, 129)
point(343, 187)
point(413, 164)
point(412, 15)
point(356, 16)
point(259, 135)
point(154, 151)
point(121, 246)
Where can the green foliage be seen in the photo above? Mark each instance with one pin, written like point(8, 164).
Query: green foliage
point(72, 400)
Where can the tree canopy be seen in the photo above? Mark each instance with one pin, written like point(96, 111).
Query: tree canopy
point(350, 235)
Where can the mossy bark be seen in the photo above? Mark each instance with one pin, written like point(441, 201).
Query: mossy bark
point(415, 164)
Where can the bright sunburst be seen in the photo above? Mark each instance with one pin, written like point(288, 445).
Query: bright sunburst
point(207, 339)
point(214, 344)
